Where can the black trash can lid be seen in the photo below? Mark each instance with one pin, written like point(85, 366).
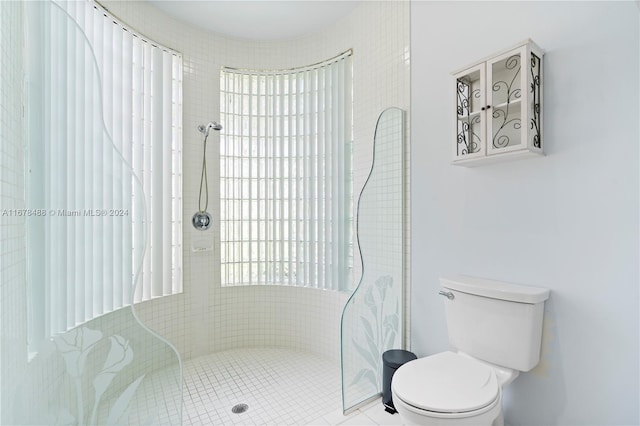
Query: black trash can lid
point(396, 357)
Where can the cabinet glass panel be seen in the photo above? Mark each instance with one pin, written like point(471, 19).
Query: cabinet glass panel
point(469, 104)
point(506, 114)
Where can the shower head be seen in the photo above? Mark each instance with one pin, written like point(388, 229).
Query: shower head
point(206, 129)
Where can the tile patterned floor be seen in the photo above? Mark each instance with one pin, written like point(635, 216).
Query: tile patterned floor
point(371, 414)
point(280, 387)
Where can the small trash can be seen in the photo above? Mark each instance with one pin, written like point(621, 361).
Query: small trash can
point(391, 361)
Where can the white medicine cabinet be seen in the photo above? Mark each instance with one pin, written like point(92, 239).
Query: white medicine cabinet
point(499, 107)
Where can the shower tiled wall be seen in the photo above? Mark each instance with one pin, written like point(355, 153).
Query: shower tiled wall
point(13, 321)
point(207, 317)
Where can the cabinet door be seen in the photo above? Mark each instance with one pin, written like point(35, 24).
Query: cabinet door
point(470, 113)
point(506, 102)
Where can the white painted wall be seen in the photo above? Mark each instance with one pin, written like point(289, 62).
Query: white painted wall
point(568, 221)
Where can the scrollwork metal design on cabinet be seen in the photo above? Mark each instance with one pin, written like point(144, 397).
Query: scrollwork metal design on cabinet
point(468, 140)
point(500, 140)
point(535, 95)
point(511, 64)
point(500, 137)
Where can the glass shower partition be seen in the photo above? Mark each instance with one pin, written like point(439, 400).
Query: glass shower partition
point(372, 319)
point(91, 359)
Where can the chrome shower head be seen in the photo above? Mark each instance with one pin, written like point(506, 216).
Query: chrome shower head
point(206, 129)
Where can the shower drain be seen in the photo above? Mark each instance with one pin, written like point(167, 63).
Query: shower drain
point(239, 408)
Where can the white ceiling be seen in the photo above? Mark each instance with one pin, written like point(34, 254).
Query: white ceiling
point(258, 20)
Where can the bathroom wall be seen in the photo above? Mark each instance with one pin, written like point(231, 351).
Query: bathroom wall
point(207, 317)
point(567, 221)
point(13, 315)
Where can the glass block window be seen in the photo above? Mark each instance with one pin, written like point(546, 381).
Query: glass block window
point(285, 176)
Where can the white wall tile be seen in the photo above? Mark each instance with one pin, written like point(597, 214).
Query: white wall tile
point(210, 318)
point(13, 282)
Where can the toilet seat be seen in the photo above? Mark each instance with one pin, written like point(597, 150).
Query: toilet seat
point(446, 383)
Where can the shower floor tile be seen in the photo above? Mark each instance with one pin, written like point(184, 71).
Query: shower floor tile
point(279, 386)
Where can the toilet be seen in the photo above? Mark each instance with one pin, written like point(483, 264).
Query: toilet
point(495, 332)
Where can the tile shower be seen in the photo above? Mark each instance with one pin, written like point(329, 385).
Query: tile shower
point(206, 319)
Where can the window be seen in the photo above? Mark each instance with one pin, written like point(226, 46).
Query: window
point(285, 176)
point(104, 142)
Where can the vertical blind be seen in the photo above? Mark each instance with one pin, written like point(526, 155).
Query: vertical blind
point(105, 141)
point(285, 166)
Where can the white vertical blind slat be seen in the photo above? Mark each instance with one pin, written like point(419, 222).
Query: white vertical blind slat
point(116, 237)
point(128, 100)
point(137, 143)
point(224, 203)
point(98, 110)
point(165, 192)
point(291, 220)
point(273, 199)
point(283, 198)
point(79, 162)
point(300, 244)
point(259, 196)
point(59, 117)
point(147, 80)
point(98, 171)
point(109, 97)
point(320, 198)
point(156, 211)
point(313, 175)
point(306, 218)
point(327, 180)
point(88, 71)
point(345, 187)
point(338, 141)
point(49, 27)
point(248, 176)
point(176, 119)
point(71, 167)
point(242, 172)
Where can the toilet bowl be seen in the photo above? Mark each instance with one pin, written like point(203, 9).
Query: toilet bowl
point(448, 389)
point(495, 329)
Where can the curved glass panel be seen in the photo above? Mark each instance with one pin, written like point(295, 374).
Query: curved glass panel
point(372, 320)
point(92, 361)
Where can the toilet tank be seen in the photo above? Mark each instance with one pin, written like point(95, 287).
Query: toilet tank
point(495, 321)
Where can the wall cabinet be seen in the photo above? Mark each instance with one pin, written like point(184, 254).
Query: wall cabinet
point(499, 107)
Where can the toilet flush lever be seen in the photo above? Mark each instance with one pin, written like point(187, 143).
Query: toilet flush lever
point(447, 294)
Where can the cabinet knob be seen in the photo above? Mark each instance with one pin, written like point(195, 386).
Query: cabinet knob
point(488, 106)
point(482, 109)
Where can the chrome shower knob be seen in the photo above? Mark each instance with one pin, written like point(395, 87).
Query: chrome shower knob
point(202, 221)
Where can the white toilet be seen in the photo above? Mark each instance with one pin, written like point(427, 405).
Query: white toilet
point(495, 331)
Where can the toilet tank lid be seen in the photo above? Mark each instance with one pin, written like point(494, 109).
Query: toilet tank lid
point(495, 289)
